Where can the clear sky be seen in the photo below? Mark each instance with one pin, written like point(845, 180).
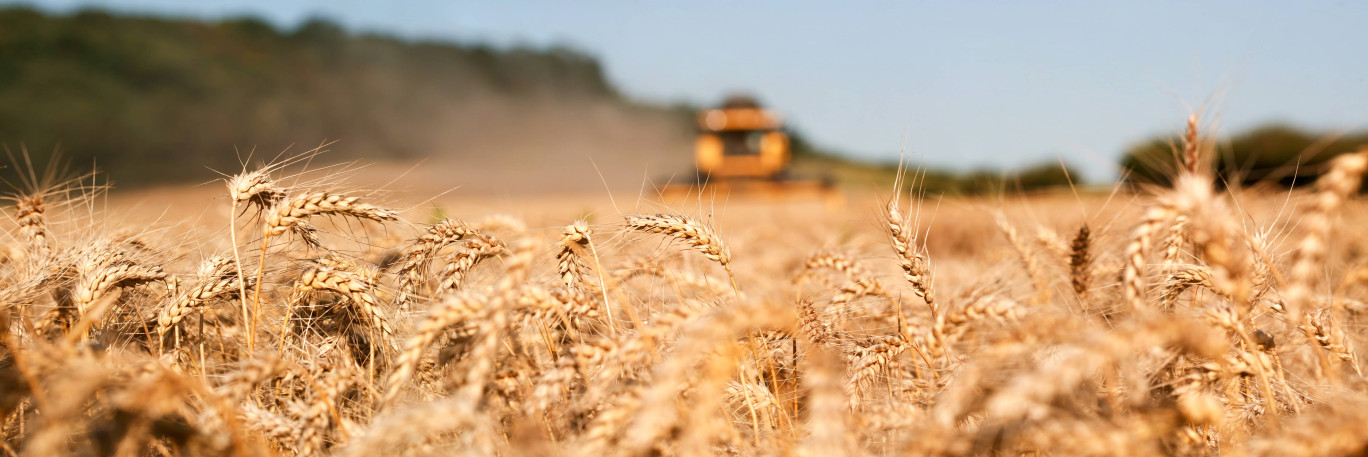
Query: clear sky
point(960, 84)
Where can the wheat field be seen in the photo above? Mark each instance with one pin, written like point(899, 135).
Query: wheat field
point(299, 316)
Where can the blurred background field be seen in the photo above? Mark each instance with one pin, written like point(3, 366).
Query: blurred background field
point(155, 100)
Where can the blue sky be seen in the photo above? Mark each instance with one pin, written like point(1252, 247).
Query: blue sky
point(958, 84)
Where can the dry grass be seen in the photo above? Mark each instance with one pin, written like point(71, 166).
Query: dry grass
point(1184, 321)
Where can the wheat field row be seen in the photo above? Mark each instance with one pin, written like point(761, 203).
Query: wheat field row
point(319, 320)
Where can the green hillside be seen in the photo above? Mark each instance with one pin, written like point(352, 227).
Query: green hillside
point(144, 95)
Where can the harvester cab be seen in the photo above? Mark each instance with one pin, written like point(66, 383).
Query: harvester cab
point(742, 152)
point(740, 140)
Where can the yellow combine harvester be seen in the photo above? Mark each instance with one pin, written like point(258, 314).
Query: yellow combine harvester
point(743, 152)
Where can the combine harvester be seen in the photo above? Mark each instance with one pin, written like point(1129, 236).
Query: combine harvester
point(742, 153)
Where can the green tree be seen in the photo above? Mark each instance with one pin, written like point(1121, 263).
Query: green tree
point(1277, 154)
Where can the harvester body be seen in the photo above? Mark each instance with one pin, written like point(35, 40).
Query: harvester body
point(742, 151)
point(741, 143)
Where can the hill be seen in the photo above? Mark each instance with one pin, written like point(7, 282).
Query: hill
point(141, 96)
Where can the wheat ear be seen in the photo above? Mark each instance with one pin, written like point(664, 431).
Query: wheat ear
point(452, 310)
point(107, 271)
point(697, 235)
point(218, 279)
point(418, 256)
point(477, 249)
point(1028, 258)
point(31, 215)
point(1132, 274)
point(295, 210)
point(289, 213)
point(1080, 259)
point(357, 289)
point(1319, 326)
point(913, 261)
point(1344, 177)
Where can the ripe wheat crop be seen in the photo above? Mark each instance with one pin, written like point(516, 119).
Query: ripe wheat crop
point(1192, 320)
